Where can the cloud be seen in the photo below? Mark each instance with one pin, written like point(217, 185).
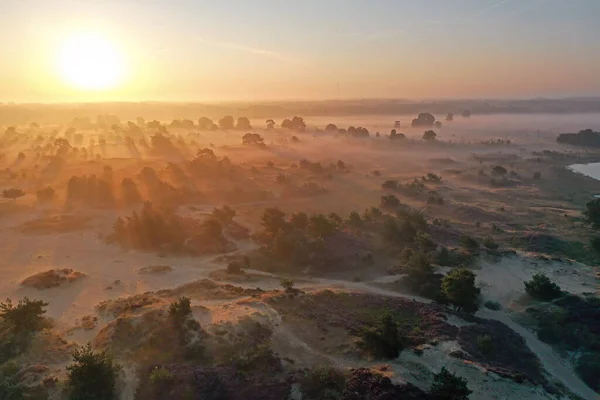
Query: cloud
point(492, 7)
point(252, 50)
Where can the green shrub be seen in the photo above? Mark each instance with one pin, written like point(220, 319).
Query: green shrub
point(458, 286)
point(489, 243)
point(25, 317)
point(287, 285)
point(540, 287)
point(383, 339)
point(92, 376)
point(448, 386)
point(492, 305)
point(469, 243)
point(323, 383)
point(161, 378)
point(485, 344)
point(180, 309)
point(234, 268)
point(588, 368)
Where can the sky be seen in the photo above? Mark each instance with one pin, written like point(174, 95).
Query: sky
point(201, 50)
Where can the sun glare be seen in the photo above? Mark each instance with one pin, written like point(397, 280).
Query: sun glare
point(90, 62)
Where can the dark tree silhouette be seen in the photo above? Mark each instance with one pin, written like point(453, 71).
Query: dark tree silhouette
point(226, 122)
point(205, 123)
point(429, 135)
point(243, 123)
point(447, 386)
point(253, 139)
point(423, 120)
point(459, 288)
point(331, 128)
point(13, 193)
point(270, 124)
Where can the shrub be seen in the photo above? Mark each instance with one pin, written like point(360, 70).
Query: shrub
point(389, 201)
point(383, 339)
point(323, 382)
point(13, 193)
point(390, 184)
point(435, 198)
point(92, 376)
point(354, 219)
point(592, 213)
point(485, 344)
point(458, 286)
point(287, 285)
point(537, 175)
point(588, 368)
point(595, 243)
point(492, 305)
point(540, 287)
point(448, 386)
point(161, 377)
point(234, 268)
point(469, 243)
point(45, 195)
point(180, 310)
point(489, 243)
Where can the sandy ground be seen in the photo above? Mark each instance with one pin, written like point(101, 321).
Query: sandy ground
point(113, 272)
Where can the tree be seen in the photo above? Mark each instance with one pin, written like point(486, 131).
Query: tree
point(253, 139)
point(204, 123)
point(542, 288)
point(13, 193)
point(331, 128)
point(45, 195)
point(450, 117)
point(383, 339)
point(429, 135)
point(243, 123)
point(92, 376)
point(499, 170)
point(592, 213)
point(270, 124)
point(129, 190)
point(423, 120)
point(287, 285)
point(448, 386)
point(459, 288)
point(273, 220)
point(299, 220)
point(24, 317)
point(226, 122)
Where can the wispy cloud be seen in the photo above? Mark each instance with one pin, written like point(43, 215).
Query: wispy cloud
point(490, 8)
point(252, 50)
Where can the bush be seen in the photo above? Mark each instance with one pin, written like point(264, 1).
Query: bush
point(469, 243)
point(448, 386)
point(390, 184)
point(180, 310)
point(161, 378)
point(540, 287)
point(537, 175)
point(45, 195)
point(383, 339)
point(322, 382)
point(485, 344)
point(592, 213)
point(588, 368)
point(492, 305)
point(92, 376)
point(234, 268)
point(13, 193)
point(489, 243)
point(458, 286)
point(287, 285)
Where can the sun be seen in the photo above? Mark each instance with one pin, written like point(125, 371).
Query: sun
point(90, 62)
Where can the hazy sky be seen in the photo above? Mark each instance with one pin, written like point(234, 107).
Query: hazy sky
point(310, 49)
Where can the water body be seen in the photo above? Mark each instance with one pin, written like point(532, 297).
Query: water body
point(592, 169)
